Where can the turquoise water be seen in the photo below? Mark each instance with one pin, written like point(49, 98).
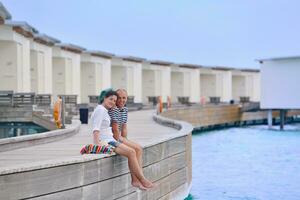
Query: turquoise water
point(246, 164)
point(14, 129)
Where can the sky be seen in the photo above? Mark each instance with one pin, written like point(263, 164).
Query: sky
point(229, 33)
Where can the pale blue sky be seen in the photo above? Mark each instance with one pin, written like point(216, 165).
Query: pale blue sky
point(208, 32)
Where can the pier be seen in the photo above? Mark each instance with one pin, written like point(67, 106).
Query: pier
point(56, 170)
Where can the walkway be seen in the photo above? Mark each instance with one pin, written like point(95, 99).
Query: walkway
point(142, 129)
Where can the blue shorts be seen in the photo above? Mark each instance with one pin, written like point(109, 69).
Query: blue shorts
point(114, 143)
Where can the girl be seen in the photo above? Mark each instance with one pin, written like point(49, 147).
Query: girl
point(103, 132)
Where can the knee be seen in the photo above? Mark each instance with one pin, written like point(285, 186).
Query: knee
point(131, 152)
point(139, 149)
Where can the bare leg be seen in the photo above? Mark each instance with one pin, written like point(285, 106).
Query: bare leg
point(134, 167)
point(139, 151)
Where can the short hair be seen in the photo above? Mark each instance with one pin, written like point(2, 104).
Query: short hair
point(122, 90)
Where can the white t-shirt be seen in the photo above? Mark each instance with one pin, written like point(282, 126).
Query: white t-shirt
point(100, 121)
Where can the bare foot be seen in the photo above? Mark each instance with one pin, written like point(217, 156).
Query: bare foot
point(146, 183)
point(138, 185)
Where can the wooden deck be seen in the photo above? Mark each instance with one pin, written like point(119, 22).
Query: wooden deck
point(211, 115)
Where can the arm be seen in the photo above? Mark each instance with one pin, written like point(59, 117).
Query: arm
point(96, 122)
point(115, 129)
point(124, 130)
point(124, 125)
point(96, 135)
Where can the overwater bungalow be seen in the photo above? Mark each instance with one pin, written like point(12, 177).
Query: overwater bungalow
point(15, 39)
point(41, 63)
point(156, 76)
point(95, 73)
point(66, 70)
point(127, 74)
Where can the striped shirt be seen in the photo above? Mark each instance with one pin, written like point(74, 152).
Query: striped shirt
point(119, 115)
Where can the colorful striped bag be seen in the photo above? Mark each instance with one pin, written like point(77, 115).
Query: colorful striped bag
point(97, 149)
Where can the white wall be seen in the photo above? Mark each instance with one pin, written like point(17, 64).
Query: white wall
point(148, 84)
point(88, 80)
point(238, 87)
point(41, 68)
point(161, 81)
point(224, 85)
point(95, 75)
point(165, 83)
point(185, 82)
point(8, 66)
point(256, 87)
point(134, 79)
point(20, 63)
point(67, 63)
point(59, 77)
point(177, 86)
point(280, 84)
point(195, 85)
point(118, 77)
point(208, 86)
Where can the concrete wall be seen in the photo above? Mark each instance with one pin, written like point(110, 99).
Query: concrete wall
point(157, 82)
point(95, 75)
point(66, 73)
point(40, 68)
point(127, 75)
point(15, 60)
point(185, 82)
point(245, 83)
point(208, 86)
point(177, 85)
point(224, 84)
point(148, 84)
point(8, 64)
point(134, 80)
point(119, 77)
point(216, 83)
point(238, 87)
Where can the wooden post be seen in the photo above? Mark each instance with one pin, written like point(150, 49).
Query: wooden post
point(270, 119)
point(282, 119)
point(63, 107)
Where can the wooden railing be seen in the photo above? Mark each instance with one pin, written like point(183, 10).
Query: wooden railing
point(43, 99)
point(94, 99)
point(23, 99)
point(211, 115)
point(152, 99)
point(69, 99)
point(215, 100)
point(6, 98)
point(130, 100)
point(183, 100)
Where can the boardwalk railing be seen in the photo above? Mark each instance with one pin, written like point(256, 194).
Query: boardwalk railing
point(153, 99)
point(215, 100)
point(184, 100)
point(130, 100)
point(244, 99)
point(43, 99)
point(93, 99)
point(23, 99)
point(6, 98)
point(69, 99)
